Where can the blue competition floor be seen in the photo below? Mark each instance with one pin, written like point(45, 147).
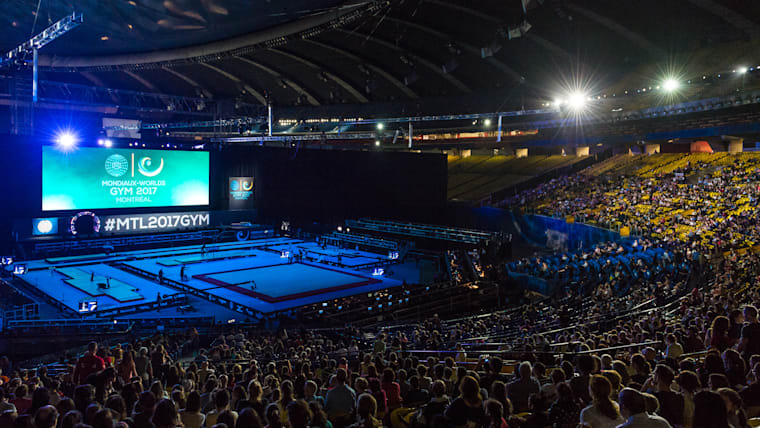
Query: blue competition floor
point(56, 285)
point(279, 283)
point(250, 273)
point(333, 255)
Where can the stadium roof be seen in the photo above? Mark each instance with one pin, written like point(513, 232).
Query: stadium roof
point(325, 52)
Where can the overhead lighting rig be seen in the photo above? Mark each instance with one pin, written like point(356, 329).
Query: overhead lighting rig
point(19, 55)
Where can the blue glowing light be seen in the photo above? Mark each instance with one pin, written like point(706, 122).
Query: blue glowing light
point(66, 140)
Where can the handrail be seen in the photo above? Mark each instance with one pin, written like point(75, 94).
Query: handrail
point(512, 343)
point(393, 327)
point(694, 354)
point(490, 314)
point(520, 351)
point(613, 348)
point(603, 317)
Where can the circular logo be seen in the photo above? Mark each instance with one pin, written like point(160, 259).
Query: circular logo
point(44, 226)
point(116, 165)
point(234, 185)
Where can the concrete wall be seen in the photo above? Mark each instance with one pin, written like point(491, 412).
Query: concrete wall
point(736, 146)
point(581, 151)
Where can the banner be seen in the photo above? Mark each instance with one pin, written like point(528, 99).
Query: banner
point(45, 226)
point(241, 193)
point(98, 178)
point(154, 223)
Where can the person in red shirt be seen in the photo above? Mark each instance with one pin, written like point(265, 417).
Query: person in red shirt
point(22, 401)
point(88, 364)
point(392, 389)
point(495, 414)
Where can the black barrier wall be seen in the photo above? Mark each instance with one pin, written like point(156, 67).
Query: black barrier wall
point(330, 186)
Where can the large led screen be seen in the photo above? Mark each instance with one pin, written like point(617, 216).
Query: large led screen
point(99, 178)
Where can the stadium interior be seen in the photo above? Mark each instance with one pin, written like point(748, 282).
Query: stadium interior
point(380, 213)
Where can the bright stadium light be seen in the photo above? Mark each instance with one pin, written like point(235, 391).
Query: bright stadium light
point(377, 143)
point(380, 126)
point(558, 102)
point(670, 84)
point(487, 122)
point(66, 140)
point(108, 143)
point(577, 101)
point(742, 70)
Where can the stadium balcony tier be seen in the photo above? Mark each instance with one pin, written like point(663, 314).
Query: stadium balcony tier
point(477, 177)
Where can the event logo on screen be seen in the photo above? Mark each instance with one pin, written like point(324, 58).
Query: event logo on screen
point(117, 165)
point(245, 184)
point(241, 193)
point(94, 178)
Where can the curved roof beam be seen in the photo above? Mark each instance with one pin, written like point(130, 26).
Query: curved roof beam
point(466, 46)
point(632, 36)
point(188, 80)
point(338, 80)
point(203, 50)
point(465, 9)
point(532, 36)
point(293, 85)
point(427, 63)
point(387, 76)
point(737, 20)
point(142, 81)
point(262, 99)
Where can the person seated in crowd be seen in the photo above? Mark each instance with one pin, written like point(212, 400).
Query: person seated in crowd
point(6, 406)
point(519, 390)
point(750, 394)
point(671, 403)
point(467, 409)
point(340, 400)
point(633, 407)
point(710, 411)
point(436, 407)
point(46, 417)
point(495, 414)
point(191, 415)
point(366, 409)
point(565, 411)
point(603, 412)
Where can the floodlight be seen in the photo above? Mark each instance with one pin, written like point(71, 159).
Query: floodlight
point(577, 101)
point(66, 140)
point(670, 84)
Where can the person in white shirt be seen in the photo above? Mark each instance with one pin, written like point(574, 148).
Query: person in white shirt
point(674, 349)
point(461, 355)
point(633, 407)
point(222, 401)
point(602, 412)
point(5, 406)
